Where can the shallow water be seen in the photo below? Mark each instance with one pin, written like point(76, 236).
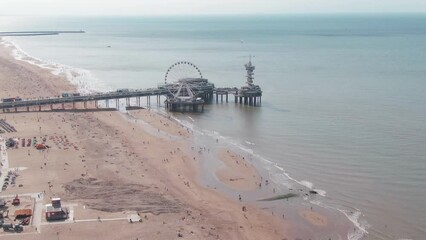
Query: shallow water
point(343, 111)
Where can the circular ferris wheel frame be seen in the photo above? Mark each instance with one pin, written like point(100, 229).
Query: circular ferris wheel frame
point(181, 70)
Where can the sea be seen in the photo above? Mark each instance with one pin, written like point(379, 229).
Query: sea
point(343, 109)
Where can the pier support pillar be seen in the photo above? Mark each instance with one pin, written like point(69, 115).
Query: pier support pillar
point(221, 98)
point(16, 109)
point(226, 97)
point(28, 109)
point(217, 98)
point(241, 100)
point(254, 101)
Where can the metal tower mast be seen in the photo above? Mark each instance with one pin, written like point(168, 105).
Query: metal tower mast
point(250, 72)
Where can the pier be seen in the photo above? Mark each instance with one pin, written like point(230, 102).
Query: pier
point(36, 33)
point(185, 94)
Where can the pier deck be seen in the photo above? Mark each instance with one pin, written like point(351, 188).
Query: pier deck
point(94, 97)
point(83, 98)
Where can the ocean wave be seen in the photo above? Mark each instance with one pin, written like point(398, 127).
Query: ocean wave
point(353, 216)
point(83, 79)
point(191, 119)
point(361, 226)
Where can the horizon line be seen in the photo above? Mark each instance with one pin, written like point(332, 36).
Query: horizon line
point(216, 14)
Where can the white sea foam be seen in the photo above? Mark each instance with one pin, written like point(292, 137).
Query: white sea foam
point(306, 184)
point(81, 78)
point(353, 216)
point(361, 226)
point(191, 119)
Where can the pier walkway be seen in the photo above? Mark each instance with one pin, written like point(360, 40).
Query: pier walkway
point(83, 98)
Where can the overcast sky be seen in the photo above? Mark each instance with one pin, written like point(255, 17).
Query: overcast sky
point(165, 7)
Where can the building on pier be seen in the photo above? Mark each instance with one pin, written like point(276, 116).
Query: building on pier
point(184, 99)
point(249, 94)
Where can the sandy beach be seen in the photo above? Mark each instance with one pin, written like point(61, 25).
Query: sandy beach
point(108, 166)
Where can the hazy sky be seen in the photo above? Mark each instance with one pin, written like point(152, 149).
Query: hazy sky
point(155, 7)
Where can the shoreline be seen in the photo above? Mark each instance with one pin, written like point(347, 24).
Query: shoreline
point(181, 187)
point(253, 196)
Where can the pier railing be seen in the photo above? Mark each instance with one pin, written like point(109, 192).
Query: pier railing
point(82, 98)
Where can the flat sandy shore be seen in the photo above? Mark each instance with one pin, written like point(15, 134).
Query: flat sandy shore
point(107, 166)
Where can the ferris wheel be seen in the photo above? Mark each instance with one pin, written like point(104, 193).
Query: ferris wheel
point(182, 70)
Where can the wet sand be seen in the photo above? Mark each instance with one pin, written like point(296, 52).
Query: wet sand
point(237, 172)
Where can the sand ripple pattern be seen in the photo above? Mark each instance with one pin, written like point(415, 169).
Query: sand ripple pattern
point(112, 196)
